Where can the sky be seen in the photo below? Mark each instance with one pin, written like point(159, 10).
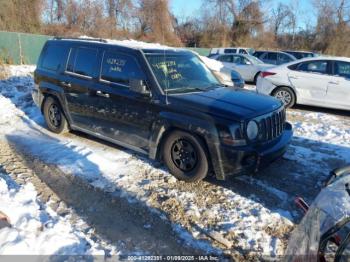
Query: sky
point(185, 8)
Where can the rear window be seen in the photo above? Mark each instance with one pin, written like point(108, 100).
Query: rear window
point(230, 51)
point(284, 58)
point(119, 68)
point(53, 56)
point(272, 56)
point(82, 61)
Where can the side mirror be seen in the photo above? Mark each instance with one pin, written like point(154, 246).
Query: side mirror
point(139, 86)
point(248, 63)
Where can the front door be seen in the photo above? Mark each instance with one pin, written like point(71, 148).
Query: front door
point(121, 113)
point(338, 92)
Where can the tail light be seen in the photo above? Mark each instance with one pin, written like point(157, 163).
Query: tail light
point(265, 74)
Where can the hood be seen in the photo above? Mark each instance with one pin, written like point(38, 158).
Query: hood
point(228, 103)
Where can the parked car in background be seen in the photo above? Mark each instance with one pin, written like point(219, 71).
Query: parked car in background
point(249, 67)
point(158, 101)
point(301, 54)
point(274, 57)
point(231, 50)
point(321, 81)
point(226, 75)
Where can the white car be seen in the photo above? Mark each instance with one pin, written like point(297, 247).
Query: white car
point(226, 76)
point(231, 50)
point(317, 81)
point(249, 67)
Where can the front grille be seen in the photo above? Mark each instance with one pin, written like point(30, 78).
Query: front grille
point(271, 125)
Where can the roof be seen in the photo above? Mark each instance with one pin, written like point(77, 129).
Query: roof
point(133, 44)
point(346, 59)
point(297, 51)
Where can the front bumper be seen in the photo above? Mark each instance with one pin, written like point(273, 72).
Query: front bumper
point(248, 159)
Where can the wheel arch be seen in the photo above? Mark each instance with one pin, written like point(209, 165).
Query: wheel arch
point(58, 95)
point(286, 86)
point(201, 129)
point(256, 76)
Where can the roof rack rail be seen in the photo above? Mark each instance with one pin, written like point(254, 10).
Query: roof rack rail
point(80, 38)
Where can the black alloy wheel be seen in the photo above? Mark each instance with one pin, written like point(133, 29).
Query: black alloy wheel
point(186, 156)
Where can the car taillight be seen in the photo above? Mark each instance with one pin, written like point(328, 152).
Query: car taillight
point(265, 74)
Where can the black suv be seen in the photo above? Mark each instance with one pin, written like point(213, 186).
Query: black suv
point(161, 102)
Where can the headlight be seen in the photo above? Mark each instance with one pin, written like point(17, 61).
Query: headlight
point(252, 130)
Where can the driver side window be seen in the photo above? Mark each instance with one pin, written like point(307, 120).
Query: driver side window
point(342, 69)
point(225, 58)
point(237, 60)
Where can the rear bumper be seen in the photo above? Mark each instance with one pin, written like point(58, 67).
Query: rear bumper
point(264, 86)
point(37, 97)
point(248, 159)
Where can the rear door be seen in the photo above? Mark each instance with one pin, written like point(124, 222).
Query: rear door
point(310, 79)
point(78, 82)
point(338, 91)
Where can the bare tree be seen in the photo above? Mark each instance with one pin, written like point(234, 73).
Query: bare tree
point(156, 23)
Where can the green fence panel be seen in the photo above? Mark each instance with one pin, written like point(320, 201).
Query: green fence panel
point(31, 46)
point(9, 48)
point(21, 48)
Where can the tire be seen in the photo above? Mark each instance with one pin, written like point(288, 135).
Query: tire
point(185, 156)
point(54, 116)
point(286, 95)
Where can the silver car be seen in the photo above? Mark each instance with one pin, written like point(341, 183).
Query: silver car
point(249, 67)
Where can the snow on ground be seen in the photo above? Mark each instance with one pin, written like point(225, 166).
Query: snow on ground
point(235, 209)
point(36, 228)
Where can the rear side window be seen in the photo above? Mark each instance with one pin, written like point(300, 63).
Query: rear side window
point(342, 69)
point(230, 51)
point(313, 66)
point(119, 68)
point(82, 61)
point(53, 56)
point(242, 51)
point(225, 58)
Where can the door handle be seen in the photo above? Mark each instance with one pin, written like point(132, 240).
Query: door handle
point(333, 83)
point(100, 93)
point(66, 84)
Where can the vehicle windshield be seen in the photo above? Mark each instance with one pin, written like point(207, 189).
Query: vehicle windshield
point(255, 60)
point(251, 51)
point(179, 73)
